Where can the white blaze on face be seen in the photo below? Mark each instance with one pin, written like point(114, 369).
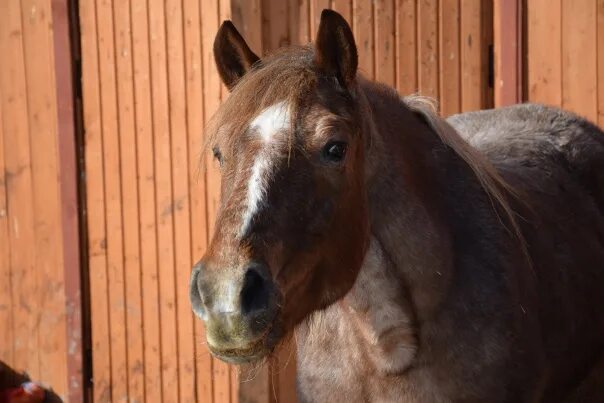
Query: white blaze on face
point(268, 125)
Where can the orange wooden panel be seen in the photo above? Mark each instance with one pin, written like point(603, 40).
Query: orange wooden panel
point(113, 201)
point(164, 202)
point(344, 7)
point(450, 85)
point(579, 61)
point(299, 21)
point(363, 34)
point(507, 48)
point(247, 17)
point(427, 40)
point(129, 201)
point(406, 38)
point(41, 107)
point(473, 55)
point(20, 198)
point(70, 201)
point(95, 202)
point(385, 43)
point(6, 302)
point(146, 191)
point(180, 198)
point(274, 25)
point(544, 63)
point(316, 7)
point(600, 53)
point(198, 225)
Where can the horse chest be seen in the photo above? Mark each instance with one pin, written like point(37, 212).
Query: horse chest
point(338, 365)
point(358, 348)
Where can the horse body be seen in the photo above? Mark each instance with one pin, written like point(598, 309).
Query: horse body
point(504, 329)
point(416, 259)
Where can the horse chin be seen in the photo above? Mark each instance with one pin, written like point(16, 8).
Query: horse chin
point(250, 352)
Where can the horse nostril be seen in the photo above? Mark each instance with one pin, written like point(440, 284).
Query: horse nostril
point(194, 292)
point(255, 293)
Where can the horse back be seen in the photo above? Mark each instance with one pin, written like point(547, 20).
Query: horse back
point(555, 161)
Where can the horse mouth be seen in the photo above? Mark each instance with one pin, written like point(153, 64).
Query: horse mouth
point(251, 352)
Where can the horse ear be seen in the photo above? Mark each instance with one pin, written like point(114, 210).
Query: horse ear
point(232, 55)
point(336, 52)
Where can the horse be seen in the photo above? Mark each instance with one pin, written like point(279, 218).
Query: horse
point(414, 258)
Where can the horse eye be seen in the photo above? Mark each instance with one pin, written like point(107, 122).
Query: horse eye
point(334, 151)
point(217, 154)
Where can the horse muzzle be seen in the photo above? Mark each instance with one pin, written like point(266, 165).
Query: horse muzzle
point(239, 310)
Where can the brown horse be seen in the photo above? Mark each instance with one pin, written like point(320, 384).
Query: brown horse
point(416, 259)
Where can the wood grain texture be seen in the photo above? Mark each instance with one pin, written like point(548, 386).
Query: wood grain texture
point(579, 59)
point(406, 46)
point(544, 63)
point(146, 191)
point(95, 202)
point(427, 40)
point(19, 191)
point(44, 154)
point(129, 201)
point(385, 43)
point(449, 57)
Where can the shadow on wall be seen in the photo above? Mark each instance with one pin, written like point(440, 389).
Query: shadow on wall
point(10, 378)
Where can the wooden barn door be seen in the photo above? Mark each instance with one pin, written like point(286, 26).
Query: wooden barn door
point(565, 55)
point(149, 85)
point(40, 330)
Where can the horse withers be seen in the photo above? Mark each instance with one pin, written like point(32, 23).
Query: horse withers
point(416, 259)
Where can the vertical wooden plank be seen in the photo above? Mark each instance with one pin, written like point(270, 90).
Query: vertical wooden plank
point(450, 85)
point(299, 21)
point(507, 44)
point(95, 201)
point(6, 302)
point(129, 200)
point(316, 7)
point(39, 63)
point(69, 177)
point(385, 65)
point(146, 190)
point(212, 92)
point(406, 38)
point(363, 33)
point(164, 204)
point(113, 201)
point(600, 52)
point(344, 7)
point(427, 39)
point(472, 56)
point(544, 63)
point(247, 17)
point(180, 198)
point(19, 190)
point(274, 28)
point(197, 186)
point(579, 61)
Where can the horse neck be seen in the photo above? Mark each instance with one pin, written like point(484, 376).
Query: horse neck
point(405, 185)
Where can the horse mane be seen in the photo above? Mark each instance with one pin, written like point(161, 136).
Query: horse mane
point(496, 187)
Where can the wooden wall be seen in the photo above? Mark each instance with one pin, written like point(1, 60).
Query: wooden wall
point(39, 261)
point(565, 55)
point(149, 84)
